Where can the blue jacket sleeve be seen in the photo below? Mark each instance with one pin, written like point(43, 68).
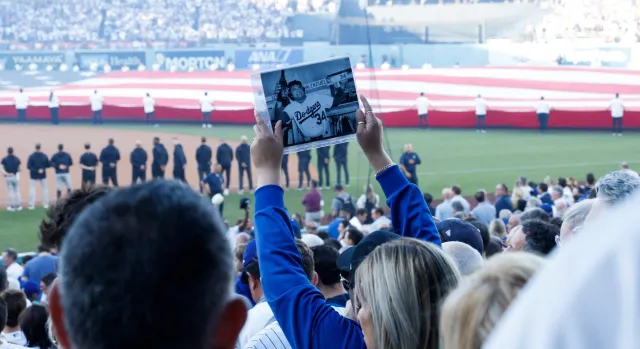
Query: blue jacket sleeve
point(410, 215)
point(307, 320)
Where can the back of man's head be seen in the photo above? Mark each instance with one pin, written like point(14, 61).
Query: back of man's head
point(480, 196)
point(466, 258)
point(325, 263)
point(63, 213)
point(456, 190)
point(534, 213)
point(616, 186)
point(457, 206)
point(16, 302)
point(540, 236)
point(148, 266)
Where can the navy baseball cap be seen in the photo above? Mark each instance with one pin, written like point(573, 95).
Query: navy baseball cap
point(547, 208)
point(351, 258)
point(338, 187)
point(250, 256)
point(453, 229)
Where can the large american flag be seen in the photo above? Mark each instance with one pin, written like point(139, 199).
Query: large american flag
point(504, 88)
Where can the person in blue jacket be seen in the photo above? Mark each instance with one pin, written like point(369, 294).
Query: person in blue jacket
point(306, 318)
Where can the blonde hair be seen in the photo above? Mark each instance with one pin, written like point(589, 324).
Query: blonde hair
point(370, 193)
point(504, 213)
point(471, 312)
point(497, 228)
point(402, 284)
point(517, 194)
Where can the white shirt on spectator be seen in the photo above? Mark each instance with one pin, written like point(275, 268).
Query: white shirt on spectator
point(206, 104)
point(543, 107)
point(6, 345)
point(362, 201)
point(14, 271)
point(16, 338)
point(257, 319)
point(422, 103)
point(149, 104)
point(54, 102)
point(379, 223)
point(355, 222)
point(481, 106)
point(272, 336)
point(96, 102)
point(21, 101)
point(617, 108)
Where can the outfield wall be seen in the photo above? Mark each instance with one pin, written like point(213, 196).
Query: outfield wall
point(576, 119)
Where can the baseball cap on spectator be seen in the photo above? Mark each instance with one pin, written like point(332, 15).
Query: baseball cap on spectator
point(454, 229)
point(350, 259)
point(547, 208)
point(312, 240)
point(338, 187)
point(249, 261)
point(31, 290)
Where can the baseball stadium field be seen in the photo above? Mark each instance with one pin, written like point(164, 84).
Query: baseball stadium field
point(464, 157)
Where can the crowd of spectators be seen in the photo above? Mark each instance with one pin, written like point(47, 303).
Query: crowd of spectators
point(147, 23)
point(152, 265)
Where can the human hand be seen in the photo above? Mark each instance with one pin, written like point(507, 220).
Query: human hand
point(62, 167)
point(369, 135)
point(411, 162)
point(326, 161)
point(40, 171)
point(142, 167)
point(408, 175)
point(112, 165)
point(266, 152)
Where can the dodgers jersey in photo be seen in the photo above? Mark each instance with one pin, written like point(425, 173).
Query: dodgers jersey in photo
point(309, 118)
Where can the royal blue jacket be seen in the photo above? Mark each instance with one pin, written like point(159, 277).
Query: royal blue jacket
point(306, 319)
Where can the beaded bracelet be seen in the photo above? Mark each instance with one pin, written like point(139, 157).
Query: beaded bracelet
point(385, 168)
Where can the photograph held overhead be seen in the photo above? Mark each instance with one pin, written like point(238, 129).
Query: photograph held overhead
point(316, 103)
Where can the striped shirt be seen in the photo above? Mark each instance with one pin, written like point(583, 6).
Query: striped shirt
point(272, 336)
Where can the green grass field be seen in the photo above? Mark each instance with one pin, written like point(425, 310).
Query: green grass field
point(449, 157)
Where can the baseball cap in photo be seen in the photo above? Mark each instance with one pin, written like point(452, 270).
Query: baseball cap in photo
point(454, 229)
point(350, 259)
point(250, 256)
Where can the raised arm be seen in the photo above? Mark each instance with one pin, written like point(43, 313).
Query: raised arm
point(306, 319)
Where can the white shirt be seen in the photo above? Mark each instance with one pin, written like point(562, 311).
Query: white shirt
point(309, 118)
point(598, 284)
point(7, 345)
point(378, 223)
point(355, 222)
point(17, 338)
point(422, 103)
point(54, 102)
point(543, 107)
point(96, 102)
point(149, 104)
point(21, 101)
point(272, 336)
point(617, 108)
point(206, 104)
point(481, 106)
point(257, 319)
point(362, 201)
point(14, 271)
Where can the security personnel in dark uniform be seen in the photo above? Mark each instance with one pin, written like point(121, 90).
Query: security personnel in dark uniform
point(10, 167)
point(37, 165)
point(61, 161)
point(203, 159)
point(224, 157)
point(213, 184)
point(340, 157)
point(138, 160)
point(89, 164)
point(408, 162)
point(179, 162)
point(243, 155)
point(285, 169)
point(324, 154)
point(109, 157)
point(160, 159)
point(304, 158)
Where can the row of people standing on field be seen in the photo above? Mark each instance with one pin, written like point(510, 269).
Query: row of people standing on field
point(340, 152)
point(21, 102)
point(542, 107)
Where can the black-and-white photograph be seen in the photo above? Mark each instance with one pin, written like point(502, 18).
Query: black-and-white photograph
point(316, 102)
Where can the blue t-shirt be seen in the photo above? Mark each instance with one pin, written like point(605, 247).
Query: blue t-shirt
point(40, 266)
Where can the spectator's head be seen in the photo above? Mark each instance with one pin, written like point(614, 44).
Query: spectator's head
point(323, 235)
point(457, 230)
point(514, 220)
point(238, 254)
point(533, 202)
point(573, 219)
point(497, 228)
point(9, 256)
point(484, 232)
point(543, 188)
point(515, 239)
point(343, 225)
point(464, 256)
point(353, 237)
point(311, 227)
point(471, 312)
point(624, 166)
point(408, 148)
point(399, 289)
point(60, 216)
point(616, 186)
point(251, 271)
point(534, 213)
point(163, 228)
point(540, 236)
point(16, 302)
point(325, 265)
point(561, 206)
point(447, 194)
point(312, 240)
point(504, 213)
point(591, 179)
point(33, 323)
point(502, 190)
point(562, 182)
point(314, 184)
point(243, 238)
point(556, 193)
point(457, 207)
point(428, 198)
point(480, 196)
point(46, 282)
point(456, 190)
point(377, 213)
point(339, 189)
point(331, 242)
point(361, 214)
point(496, 246)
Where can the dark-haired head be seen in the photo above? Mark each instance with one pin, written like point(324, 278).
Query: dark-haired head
point(63, 213)
point(33, 323)
point(331, 242)
point(111, 141)
point(60, 147)
point(10, 150)
point(16, 302)
point(87, 146)
point(38, 146)
point(325, 264)
point(203, 140)
point(162, 228)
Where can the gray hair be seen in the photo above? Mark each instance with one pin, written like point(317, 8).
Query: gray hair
point(534, 213)
point(576, 214)
point(457, 206)
point(558, 189)
point(497, 228)
point(534, 202)
point(616, 186)
point(401, 285)
point(467, 259)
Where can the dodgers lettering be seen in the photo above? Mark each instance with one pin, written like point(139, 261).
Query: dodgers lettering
point(311, 111)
